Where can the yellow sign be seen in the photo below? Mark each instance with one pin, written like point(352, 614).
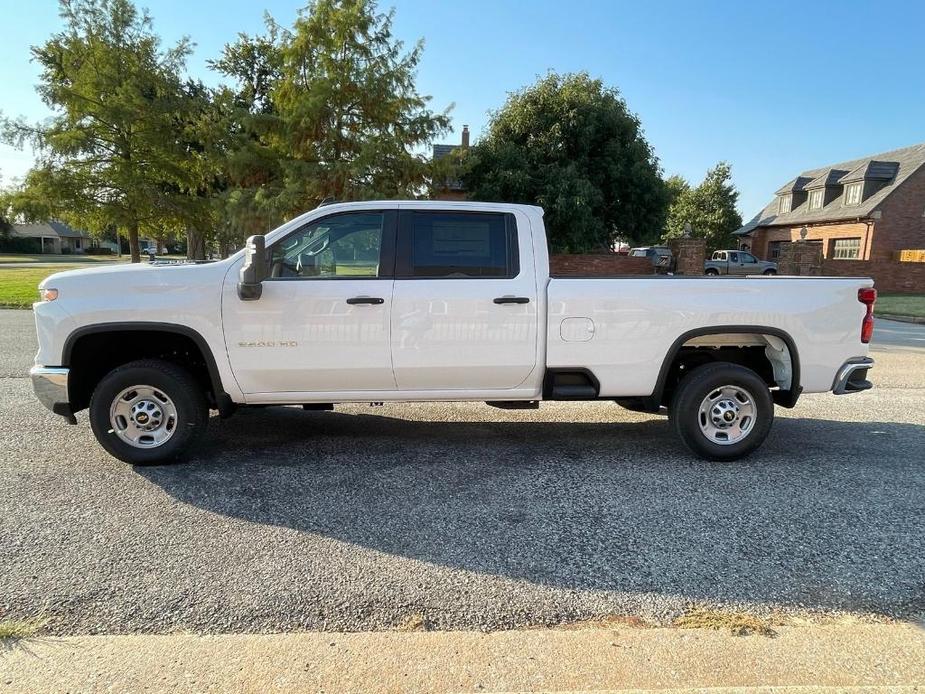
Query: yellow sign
point(910, 256)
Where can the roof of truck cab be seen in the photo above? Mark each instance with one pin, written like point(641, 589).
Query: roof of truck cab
point(436, 204)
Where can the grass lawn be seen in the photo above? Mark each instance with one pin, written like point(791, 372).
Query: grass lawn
point(66, 259)
point(19, 285)
point(901, 304)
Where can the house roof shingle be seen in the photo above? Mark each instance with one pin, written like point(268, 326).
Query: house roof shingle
point(793, 186)
point(871, 170)
point(441, 151)
point(49, 229)
point(826, 179)
point(893, 167)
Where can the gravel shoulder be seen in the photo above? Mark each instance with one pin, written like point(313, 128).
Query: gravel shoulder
point(459, 516)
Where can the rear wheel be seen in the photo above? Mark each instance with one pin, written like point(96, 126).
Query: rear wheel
point(711, 271)
point(722, 411)
point(148, 412)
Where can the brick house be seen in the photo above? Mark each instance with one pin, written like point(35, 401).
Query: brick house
point(865, 210)
point(451, 188)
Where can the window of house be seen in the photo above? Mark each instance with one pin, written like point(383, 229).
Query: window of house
point(846, 249)
point(784, 203)
point(853, 193)
point(457, 245)
point(774, 249)
point(815, 198)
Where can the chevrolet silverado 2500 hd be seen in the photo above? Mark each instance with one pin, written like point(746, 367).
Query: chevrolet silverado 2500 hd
point(424, 301)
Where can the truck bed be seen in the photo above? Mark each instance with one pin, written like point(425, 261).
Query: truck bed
point(622, 328)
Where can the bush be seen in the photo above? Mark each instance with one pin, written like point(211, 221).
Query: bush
point(17, 244)
point(97, 250)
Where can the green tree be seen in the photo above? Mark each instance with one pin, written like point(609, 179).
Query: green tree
point(675, 187)
point(253, 174)
point(570, 144)
point(709, 209)
point(110, 157)
point(330, 109)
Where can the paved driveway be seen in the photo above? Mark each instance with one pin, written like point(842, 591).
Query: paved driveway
point(460, 515)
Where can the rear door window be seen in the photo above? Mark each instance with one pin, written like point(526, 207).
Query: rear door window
point(452, 245)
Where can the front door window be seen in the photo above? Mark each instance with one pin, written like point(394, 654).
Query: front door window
point(346, 245)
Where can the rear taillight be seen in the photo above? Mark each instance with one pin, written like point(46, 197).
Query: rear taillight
point(868, 297)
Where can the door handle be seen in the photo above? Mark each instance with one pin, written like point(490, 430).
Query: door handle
point(365, 300)
point(512, 300)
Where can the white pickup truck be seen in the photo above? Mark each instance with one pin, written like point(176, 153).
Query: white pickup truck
point(426, 301)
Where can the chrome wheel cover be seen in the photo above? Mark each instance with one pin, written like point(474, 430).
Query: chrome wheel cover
point(143, 417)
point(727, 415)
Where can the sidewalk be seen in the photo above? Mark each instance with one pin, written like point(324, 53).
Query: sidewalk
point(809, 658)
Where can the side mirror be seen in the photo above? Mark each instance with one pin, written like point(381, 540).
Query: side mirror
point(254, 270)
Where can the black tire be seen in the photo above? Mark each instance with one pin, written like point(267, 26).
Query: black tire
point(185, 394)
point(684, 412)
point(711, 272)
point(770, 271)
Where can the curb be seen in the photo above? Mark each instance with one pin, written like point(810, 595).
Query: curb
point(838, 657)
point(900, 318)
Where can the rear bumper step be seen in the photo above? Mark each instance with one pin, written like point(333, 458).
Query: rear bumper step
point(852, 376)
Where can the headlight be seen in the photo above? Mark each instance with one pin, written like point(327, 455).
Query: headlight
point(48, 294)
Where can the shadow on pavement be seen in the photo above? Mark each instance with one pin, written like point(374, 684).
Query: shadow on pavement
point(827, 515)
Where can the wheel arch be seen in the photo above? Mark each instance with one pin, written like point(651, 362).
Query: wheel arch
point(221, 400)
point(785, 398)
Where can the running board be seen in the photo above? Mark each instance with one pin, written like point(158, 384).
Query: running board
point(570, 384)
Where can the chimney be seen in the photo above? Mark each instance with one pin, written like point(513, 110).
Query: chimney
point(465, 137)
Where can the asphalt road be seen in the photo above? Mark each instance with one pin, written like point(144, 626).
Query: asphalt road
point(891, 334)
point(463, 515)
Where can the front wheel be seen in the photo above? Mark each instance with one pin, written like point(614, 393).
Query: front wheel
point(722, 411)
point(148, 412)
point(770, 271)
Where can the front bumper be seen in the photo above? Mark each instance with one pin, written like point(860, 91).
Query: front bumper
point(852, 376)
point(50, 385)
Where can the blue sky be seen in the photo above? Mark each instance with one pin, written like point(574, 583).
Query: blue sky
point(772, 87)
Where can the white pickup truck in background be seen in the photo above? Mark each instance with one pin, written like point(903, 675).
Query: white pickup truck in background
point(425, 301)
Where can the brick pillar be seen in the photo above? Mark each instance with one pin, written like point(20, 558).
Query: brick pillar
point(800, 258)
point(690, 254)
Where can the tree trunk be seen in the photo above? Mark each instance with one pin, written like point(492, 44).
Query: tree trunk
point(133, 241)
point(195, 245)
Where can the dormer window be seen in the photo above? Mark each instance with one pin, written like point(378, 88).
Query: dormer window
point(784, 203)
point(853, 193)
point(816, 198)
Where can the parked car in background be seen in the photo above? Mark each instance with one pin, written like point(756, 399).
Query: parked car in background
point(737, 263)
point(661, 257)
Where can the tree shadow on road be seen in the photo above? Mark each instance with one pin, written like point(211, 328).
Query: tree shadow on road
point(828, 515)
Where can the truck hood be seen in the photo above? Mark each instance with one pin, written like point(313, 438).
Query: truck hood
point(134, 278)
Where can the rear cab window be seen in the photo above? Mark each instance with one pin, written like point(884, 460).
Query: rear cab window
point(456, 245)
